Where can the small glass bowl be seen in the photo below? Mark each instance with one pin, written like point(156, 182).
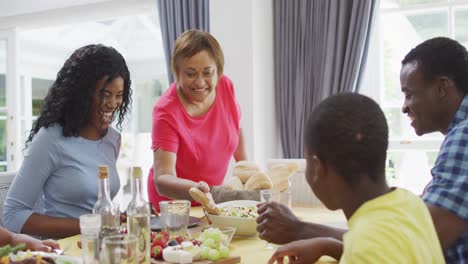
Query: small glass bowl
point(194, 233)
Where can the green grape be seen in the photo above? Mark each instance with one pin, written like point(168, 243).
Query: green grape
point(213, 255)
point(209, 242)
point(204, 252)
point(210, 233)
point(216, 235)
point(216, 245)
point(223, 251)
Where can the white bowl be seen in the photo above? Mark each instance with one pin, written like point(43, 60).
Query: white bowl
point(244, 226)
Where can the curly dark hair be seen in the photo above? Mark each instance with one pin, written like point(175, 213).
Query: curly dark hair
point(70, 98)
point(442, 56)
point(349, 131)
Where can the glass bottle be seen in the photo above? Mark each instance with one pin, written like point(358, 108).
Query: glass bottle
point(138, 217)
point(110, 218)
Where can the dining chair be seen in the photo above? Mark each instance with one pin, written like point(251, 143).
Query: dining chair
point(6, 178)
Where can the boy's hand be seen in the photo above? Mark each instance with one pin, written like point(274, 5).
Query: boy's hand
point(306, 251)
point(277, 223)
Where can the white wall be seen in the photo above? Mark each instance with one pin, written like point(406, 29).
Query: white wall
point(30, 14)
point(16, 7)
point(244, 30)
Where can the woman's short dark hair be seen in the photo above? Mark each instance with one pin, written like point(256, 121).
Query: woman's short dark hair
point(441, 56)
point(192, 42)
point(349, 132)
point(69, 101)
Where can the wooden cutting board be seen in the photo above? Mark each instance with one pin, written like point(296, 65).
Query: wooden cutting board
point(230, 260)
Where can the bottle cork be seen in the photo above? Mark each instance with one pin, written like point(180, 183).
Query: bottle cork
point(103, 171)
point(136, 172)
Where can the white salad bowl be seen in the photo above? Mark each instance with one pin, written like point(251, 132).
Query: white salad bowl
point(244, 226)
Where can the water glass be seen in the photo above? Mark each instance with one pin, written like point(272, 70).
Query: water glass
point(175, 216)
point(285, 197)
point(119, 249)
point(90, 224)
point(268, 195)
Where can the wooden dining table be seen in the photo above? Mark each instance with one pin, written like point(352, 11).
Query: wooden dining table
point(252, 250)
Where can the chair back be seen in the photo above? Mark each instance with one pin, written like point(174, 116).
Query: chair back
point(6, 178)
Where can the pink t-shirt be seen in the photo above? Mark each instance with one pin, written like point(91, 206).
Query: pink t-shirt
point(204, 144)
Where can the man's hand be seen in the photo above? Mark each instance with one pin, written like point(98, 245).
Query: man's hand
point(307, 251)
point(277, 223)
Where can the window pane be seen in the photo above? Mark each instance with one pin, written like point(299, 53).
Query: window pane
point(407, 3)
point(39, 91)
point(394, 116)
point(3, 62)
point(429, 25)
point(402, 32)
point(461, 26)
point(148, 94)
point(3, 138)
point(401, 170)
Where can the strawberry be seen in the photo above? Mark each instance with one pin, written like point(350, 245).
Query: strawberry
point(159, 241)
point(180, 239)
point(156, 252)
point(165, 234)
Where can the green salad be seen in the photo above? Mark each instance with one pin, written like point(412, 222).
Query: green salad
point(239, 211)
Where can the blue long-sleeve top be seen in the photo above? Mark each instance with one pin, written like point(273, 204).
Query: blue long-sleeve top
point(63, 172)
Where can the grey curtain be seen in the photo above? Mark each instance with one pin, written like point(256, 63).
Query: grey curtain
point(320, 48)
point(177, 16)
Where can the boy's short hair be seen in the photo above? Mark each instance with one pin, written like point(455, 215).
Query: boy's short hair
point(349, 132)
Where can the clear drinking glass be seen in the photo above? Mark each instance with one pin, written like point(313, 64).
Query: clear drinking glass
point(119, 249)
point(175, 216)
point(90, 224)
point(268, 195)
point(285, 197)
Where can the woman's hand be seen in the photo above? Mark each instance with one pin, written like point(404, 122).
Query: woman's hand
point(34, 244)
point(203, 186)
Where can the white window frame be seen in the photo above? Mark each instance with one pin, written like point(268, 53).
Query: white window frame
point(9, 28)
point(11, 110)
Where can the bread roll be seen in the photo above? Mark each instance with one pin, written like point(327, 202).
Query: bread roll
point(258, 181)
point(280, 174)
point(204, 200)
point(245, 169)
point(282, 186)
point(234, 184)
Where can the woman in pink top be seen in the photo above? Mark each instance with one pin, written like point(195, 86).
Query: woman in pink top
point(195, 123)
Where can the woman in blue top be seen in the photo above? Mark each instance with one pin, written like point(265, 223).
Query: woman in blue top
point(70, 139)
